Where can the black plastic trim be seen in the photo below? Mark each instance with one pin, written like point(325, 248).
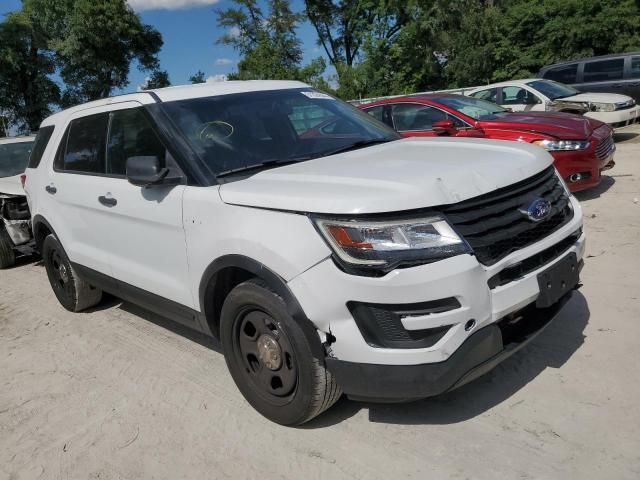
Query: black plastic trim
point(167, 308)
point(272, 279)
point(381, 325)
point(480, 353)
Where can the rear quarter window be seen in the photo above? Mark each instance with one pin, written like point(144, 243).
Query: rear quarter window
point(42, 140)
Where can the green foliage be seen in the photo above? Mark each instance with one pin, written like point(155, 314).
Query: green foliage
point(157, 79)
point(268, 42)
point(94, 43)
point(198, 77)
point(26, 91)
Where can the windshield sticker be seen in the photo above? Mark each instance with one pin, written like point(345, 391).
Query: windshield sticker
point(313, 94)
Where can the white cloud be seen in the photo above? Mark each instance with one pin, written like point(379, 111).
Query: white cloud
point(234, 32)
point(224, 61)
point(140, 5)
point(217, 78)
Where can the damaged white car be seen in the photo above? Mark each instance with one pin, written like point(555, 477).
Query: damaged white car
point(15, 219)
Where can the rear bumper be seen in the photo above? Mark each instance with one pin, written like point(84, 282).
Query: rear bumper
point(479, 354)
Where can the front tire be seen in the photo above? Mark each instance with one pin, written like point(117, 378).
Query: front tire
point(72, 292)
point(270, 358)
point(7, 254)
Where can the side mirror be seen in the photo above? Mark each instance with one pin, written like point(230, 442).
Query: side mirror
point(531, 100)
point(146, 171)
point(442, 127)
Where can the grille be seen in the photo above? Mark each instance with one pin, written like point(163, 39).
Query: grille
point(534, 262)
point(605, 147)
point(494, 225)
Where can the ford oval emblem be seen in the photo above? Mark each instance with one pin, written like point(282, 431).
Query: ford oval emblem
point(538, 210)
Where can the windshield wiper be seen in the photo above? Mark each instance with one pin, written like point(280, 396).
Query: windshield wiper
point(357, 145)
point(260, 166)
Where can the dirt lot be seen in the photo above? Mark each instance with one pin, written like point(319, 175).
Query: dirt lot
point(119, 393)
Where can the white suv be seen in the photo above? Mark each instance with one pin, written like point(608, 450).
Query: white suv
point(326, 253)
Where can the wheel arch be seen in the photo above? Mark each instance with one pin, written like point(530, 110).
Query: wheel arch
point(225, 273)
point(41, 228)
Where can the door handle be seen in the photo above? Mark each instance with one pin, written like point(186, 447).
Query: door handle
point(107, 200)
point(51, 189)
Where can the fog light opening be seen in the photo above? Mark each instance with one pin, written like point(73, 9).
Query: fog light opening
point(469, 325)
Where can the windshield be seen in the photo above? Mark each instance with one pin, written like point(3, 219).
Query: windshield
point(237, 131)
point(553, 90)
point(14, 158)
point(473, 107)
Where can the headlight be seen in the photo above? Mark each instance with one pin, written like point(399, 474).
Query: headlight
point(602, 107)
point(386, 244)
point(561, 145)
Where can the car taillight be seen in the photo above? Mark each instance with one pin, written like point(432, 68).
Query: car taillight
point(23, 180)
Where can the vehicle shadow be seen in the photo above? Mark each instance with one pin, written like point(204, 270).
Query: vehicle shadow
point(606, 183)
point(551, 349)
point(621, 137)
point(109, 301)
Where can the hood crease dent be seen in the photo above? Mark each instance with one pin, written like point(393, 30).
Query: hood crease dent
point(402, 175)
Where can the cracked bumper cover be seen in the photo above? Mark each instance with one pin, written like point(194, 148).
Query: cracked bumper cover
point(479, 354)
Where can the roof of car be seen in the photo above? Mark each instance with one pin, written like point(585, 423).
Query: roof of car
point(588, 59)
point(181, 92)
point(21, 139)
point(522, 81)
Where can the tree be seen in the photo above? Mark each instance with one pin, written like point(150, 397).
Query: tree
point(346, 27)
point(157, 79)
point(268, 43)
point(26, 91)
point(198, 77)
point(94, 43)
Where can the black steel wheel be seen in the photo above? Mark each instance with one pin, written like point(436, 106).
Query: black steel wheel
point(72, 292)
point(270, 356)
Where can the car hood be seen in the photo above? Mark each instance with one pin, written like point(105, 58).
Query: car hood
point(596, 97)
point(566, 126)
point(11, 185)
point(396, 176)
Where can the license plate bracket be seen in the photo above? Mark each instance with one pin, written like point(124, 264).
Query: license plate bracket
point(557, 280)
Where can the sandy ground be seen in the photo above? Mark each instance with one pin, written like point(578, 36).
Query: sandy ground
point(119, 393)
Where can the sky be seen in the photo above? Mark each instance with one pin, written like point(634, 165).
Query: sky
point(189, 31)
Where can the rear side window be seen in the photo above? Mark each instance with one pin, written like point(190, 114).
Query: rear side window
point(85, 151)
point(562, 74)
point(635, 67)
point(42, 140)
point(603, 70)
point(131, 135)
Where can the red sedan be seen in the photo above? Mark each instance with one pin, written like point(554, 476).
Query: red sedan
point(582, 147)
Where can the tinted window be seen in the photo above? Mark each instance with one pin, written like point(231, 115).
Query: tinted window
point(131, 135)
point(86, 144)
point(14, 158)
point(413, 116)
point(635, 67)
point(376, 112)
point(563, 74)
point(603, 70)
point(518, 96)
point(490, 95)
point(42, 139)
point(246, 129)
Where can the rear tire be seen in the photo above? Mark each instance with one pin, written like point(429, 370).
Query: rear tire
point(72, 292)
point(270, 358)
point(7, 254)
